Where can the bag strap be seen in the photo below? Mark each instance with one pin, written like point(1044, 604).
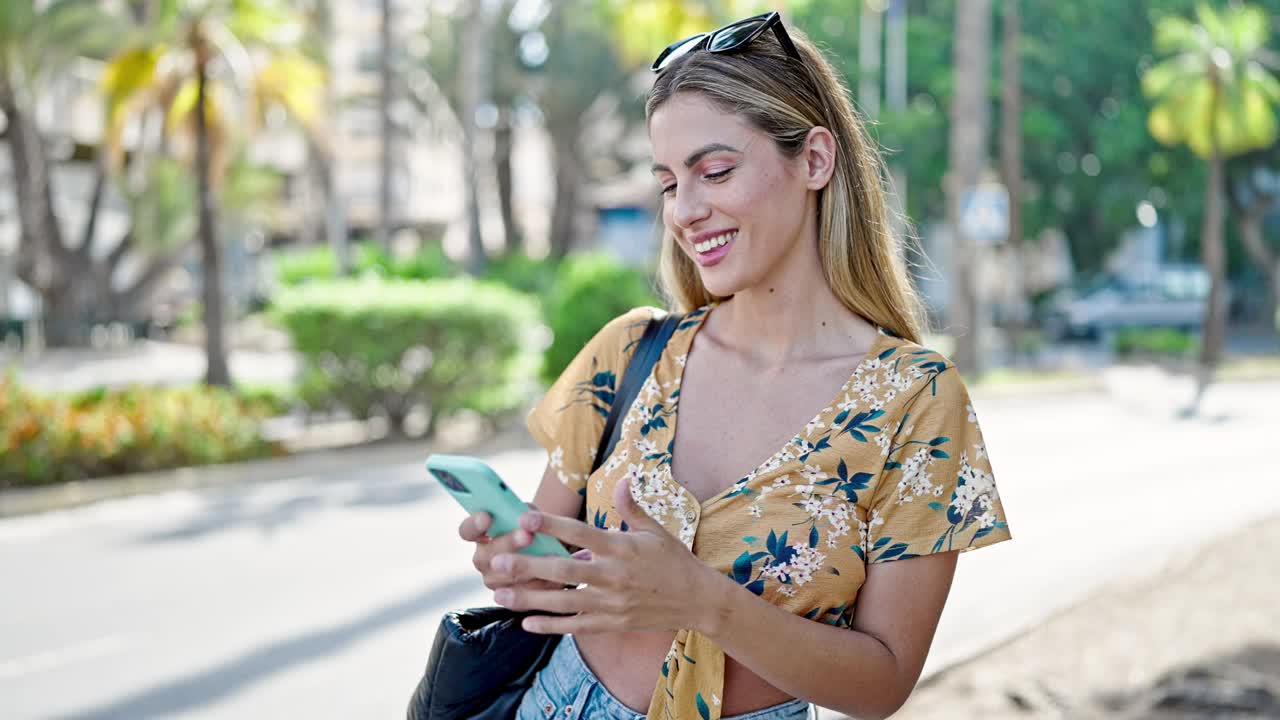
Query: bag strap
point(648, 349)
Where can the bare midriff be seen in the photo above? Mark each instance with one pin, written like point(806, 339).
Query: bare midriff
point(629, 663)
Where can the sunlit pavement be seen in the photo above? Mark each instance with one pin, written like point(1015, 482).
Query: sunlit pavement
point(317, 596)
point(146, 362)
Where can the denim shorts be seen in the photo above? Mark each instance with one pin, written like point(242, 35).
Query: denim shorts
point(567, 689)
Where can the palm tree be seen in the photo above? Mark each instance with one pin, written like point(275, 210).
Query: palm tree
point(1011, 149)
point(37, 42)
point(870, 26)
point(474, 80)
point(327, 205)
point(202, 59)
point(1214, 94)
point(386, 78)
point(968, 156)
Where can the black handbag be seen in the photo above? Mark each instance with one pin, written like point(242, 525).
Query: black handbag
point(482, 661)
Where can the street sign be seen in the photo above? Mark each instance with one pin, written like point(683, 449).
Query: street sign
point(984, 213)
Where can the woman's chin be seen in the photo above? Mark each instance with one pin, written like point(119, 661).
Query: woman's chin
point(720, 284)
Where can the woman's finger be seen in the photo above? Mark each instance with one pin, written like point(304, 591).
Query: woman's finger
point(511, 542)
point(570, 531)
point(566, 571)
point(529, 597)
point(580, 624)
point(474, 526)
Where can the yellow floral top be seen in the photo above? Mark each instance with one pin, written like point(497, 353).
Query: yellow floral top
point(893, 468)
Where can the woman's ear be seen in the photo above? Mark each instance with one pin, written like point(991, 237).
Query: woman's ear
point(820, 157)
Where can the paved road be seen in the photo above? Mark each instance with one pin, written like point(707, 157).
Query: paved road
point(144, 362)
point(317, 596)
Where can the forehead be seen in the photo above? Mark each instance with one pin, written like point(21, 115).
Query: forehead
point(687, 122)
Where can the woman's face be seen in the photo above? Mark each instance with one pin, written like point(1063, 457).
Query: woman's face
point(731, 200)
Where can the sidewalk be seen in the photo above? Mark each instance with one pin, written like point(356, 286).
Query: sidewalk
point(458, 438)
point(144, 362)
point(1200, 640)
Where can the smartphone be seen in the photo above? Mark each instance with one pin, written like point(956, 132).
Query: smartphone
point(477, 488)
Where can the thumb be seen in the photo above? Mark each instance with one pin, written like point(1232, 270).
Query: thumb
point(631, 512)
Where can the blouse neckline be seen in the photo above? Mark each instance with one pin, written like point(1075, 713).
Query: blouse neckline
point(877, 347)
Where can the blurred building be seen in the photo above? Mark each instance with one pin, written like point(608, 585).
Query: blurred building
point(426, 187)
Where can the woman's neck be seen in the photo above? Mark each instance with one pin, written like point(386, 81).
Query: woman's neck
point(792, 316)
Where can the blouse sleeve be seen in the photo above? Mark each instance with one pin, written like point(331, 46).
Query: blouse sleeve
point(936, 492)
point(569, 420)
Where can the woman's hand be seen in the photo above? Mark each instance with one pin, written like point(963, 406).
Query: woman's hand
point(642, 579)
point(473, 530)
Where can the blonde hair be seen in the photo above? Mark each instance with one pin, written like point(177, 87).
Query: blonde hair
point(784, 98)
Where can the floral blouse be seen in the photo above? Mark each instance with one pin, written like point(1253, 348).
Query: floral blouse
point(893, 468)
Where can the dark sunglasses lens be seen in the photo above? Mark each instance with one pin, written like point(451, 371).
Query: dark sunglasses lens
point(734, 36)
point(677, 50)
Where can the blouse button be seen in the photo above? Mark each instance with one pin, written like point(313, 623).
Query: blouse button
point(690, 516)
point(549, 709)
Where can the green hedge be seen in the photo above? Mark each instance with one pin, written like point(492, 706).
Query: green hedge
point(589, 291)
point(1165, 342)
point(384, 347)
point(520, 272)
point(48, 439)
point(319, 264)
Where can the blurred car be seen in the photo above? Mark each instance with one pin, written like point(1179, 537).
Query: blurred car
point(1174, 296)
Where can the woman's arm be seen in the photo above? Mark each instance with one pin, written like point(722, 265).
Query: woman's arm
point(866, 671)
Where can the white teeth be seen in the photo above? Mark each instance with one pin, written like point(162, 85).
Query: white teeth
point(715, 242)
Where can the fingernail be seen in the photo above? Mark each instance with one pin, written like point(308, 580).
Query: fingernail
point(531, 521)
point(502, 597)
point(502, 563)
point(583, 554)
point(523, 538)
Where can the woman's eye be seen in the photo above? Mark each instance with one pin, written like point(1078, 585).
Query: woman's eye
point(670, 189)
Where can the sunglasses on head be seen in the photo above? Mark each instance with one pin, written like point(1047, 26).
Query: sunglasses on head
point(731, 38)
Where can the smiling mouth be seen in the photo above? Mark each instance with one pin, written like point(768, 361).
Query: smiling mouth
point(715, 242)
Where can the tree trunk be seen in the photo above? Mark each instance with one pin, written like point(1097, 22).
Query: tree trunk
point(474, 92)
point(869, 25)
point(40, 248)
point(967, 154)
point(503, 144)
point(895, 96)
point(331, 215)
point(568, 183)
point(216, 372)
point(1251, 234)
point(383, 236)
point(1213, 255)
point(132, 301)
point(1011, 162)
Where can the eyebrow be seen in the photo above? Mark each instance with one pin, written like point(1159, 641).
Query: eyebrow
point(697, 155)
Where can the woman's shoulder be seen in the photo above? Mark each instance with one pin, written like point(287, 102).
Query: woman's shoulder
point(614, 342)
point(625, 329)
point(636, 316)
point(927, 375)
point(911, 353)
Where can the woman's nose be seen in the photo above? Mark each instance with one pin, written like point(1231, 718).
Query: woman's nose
point(689, 209)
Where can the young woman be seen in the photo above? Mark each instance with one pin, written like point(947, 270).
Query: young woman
point(780, 521)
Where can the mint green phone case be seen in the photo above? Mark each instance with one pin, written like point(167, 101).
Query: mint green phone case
point(479, 489)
